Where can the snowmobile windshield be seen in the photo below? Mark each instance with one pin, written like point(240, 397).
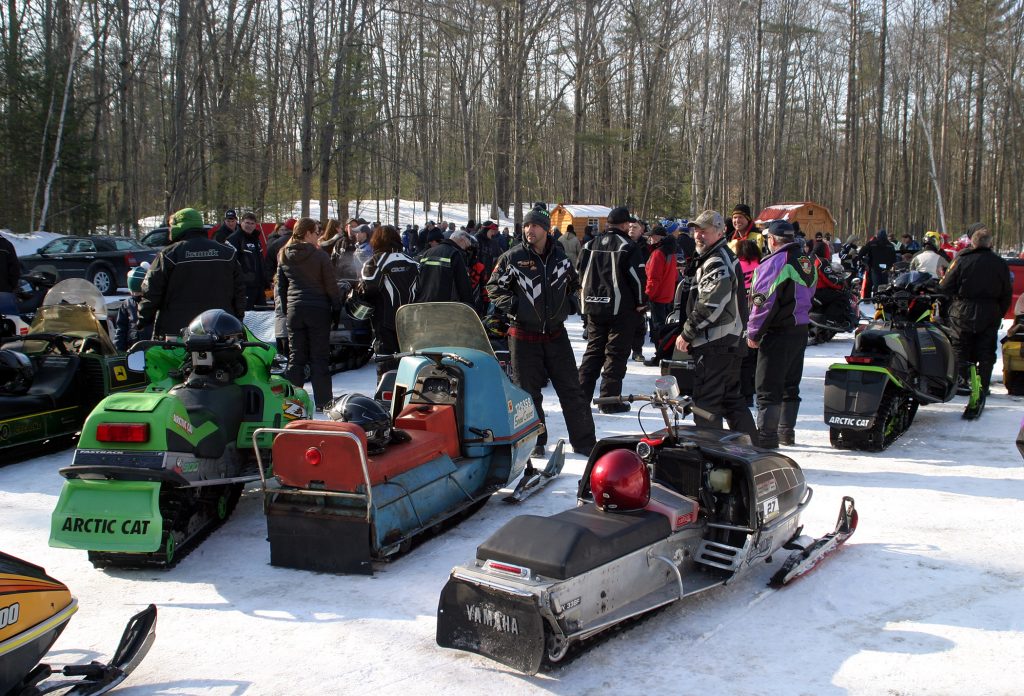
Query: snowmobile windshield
point(426, 325)
point(76, 291)
point(71, 320)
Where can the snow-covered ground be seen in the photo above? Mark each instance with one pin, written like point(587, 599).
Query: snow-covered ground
point(926, 598)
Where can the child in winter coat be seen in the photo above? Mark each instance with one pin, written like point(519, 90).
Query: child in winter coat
point(126, 322)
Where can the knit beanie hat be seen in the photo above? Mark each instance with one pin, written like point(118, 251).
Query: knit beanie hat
point(184, 220)
point(538, 216)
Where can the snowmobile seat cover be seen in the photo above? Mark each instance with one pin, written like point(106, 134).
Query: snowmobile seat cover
point(573, 541)
point(223, 406)
point(435, 418)
point(338, 468)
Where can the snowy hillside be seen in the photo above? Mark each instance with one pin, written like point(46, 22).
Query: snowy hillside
point(926, 598)
point(29, 242)
point(409, 213)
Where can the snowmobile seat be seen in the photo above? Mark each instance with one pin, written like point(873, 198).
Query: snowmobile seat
point(24, 405)
point(222, 405)
point(338, 468)
point(434, 418)
point(54, 376)
point(574, 541)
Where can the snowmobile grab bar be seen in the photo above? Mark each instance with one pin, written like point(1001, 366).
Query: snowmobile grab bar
point(675, 569)
point(368, 496)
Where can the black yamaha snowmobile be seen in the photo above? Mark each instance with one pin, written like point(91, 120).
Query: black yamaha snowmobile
point(902, 359)
point(660, 517)
point(34, 610)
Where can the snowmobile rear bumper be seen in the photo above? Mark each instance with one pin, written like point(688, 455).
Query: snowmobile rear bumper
point(107, 516)
point(500, 622)
point(853, 395)
point(307, 533)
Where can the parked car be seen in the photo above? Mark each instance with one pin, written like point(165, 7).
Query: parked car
point(160, 237)
point(103, 261)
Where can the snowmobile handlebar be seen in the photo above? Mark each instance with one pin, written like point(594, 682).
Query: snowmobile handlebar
point(683, 403)
point(432, 355)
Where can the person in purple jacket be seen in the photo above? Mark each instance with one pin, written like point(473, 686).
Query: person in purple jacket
point(781, 295)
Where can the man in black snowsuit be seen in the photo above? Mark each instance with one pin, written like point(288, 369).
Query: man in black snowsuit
point(188, 277)
point(979, 283)
point(444, 276)
point(613, 279)
point(246, 241)
point(532, 284)
point(877, 256)
point(388, 282)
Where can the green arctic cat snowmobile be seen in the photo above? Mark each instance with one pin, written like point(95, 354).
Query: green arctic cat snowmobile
point(156, 471)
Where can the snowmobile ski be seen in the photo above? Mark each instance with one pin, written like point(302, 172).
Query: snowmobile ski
point(98, 678)
point(807, 559)
point(976, 404)
point(534, 480)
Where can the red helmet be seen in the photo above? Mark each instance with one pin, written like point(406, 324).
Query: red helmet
point(620, 481)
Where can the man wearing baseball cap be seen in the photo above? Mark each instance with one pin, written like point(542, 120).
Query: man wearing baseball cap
point(781, 294)
point(226, 228)
point(713, 311)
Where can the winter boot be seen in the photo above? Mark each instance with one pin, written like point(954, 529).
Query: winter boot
point(768, 416)
point(787, 423)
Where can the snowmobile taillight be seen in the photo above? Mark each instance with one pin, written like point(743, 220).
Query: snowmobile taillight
point(277, 389)
point(508, 569)
point(858, 360)
point(387, 396)
point(314, 456)
point(122, 432)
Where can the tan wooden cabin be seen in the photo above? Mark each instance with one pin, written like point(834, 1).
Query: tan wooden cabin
point(811, 216)
point(579, 216)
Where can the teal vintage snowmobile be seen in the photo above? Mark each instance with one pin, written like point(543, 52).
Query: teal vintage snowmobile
point(364, 486)
point(155, 471)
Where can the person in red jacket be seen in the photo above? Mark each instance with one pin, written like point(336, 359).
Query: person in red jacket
point(661, 281)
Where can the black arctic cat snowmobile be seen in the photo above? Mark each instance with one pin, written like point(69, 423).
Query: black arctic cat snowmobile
point(903, 358)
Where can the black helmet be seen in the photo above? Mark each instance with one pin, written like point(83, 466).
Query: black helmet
point(368, 414)
point(16, 372)
point(219, 325)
